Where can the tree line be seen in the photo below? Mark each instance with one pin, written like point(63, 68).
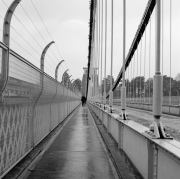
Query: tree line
point(139, 87)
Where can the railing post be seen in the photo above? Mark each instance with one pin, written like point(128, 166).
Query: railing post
point(71, 84)
point(158, 79)
point(56, 78)
point(120, 135)
point(104, 95)
point(57, 67)
point(43, 55)
point(157, 86)
point(63, 76)
point(123, 88)
point(63, 106)
point(6, 41)
point(169, 98)
point(42, 86)
point(66, 103)
point(68, 81)
point(112, 25)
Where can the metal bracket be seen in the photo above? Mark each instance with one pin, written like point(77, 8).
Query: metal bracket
point(105, 107)
point(123, 115)
point(111, 109)
point(1, 99)
point(101, 105)
point(157, 132)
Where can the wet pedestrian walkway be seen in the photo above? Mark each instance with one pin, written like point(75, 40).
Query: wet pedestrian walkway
point(77, 153)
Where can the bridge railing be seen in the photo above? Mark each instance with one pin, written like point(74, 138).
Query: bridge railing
point(166, 100)
point(31, 106)
point(154, 158)
point(170, 106)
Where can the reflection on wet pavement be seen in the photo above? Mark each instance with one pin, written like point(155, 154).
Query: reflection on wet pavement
point(76, 153)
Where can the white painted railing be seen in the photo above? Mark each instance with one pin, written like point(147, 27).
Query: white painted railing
point(28, 110)
point(154, 158)
point(166, 108)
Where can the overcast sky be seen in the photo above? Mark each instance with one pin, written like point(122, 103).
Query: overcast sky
point(67, 22)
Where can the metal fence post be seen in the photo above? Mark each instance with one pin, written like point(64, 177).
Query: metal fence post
point(56, 78)
point(6, 41)
point(42, 86)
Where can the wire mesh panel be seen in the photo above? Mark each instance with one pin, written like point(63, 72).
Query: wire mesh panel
point(19, 70)
point(16, 110)
point(41, 122)
point(28, 110)
point(59, 95)
point(68, 95)
point(43, 118)
point(15, 128)
point(64, 94)
point(49, 90)
point(0, 58)
point(55, 106)
point(61, 112)
point(54, 115)
point(3, 69)
point(23, 85)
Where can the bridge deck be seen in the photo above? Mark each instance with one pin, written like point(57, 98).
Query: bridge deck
point(76, 153)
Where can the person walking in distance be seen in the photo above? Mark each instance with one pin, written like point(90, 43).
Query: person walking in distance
point(83, 100)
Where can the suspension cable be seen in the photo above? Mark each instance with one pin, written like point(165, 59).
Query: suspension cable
point(33, 23)
point(162, 36)
point(125, 82)
point(46, 30)
point(145, 68)
point(112, 36)
point(37, 30)
point(137, 86)
point(131, 81)
point(27, 31)
point(149, 57)
point(97, 47)
point(99, 54)
point(26, 50)
point(25, 40)
point(105, 47)
point(134, 90)
point(128, 79)
point(90, 43)
point(101, 42)
point(140, 69)
point(170, 47)
point(24, 27)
